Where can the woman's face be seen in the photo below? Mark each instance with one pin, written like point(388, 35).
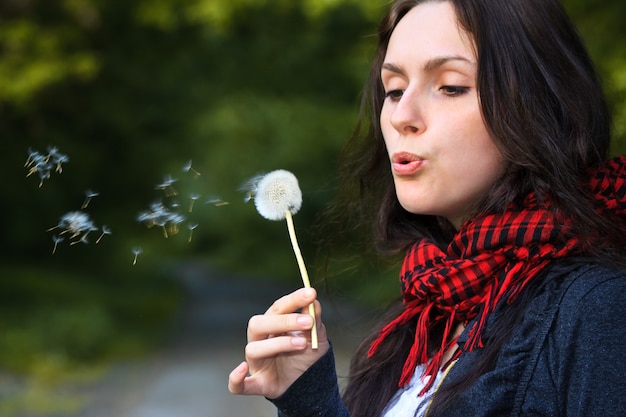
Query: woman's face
point(442, 158)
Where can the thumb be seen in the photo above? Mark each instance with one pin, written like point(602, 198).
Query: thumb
point(237, 379)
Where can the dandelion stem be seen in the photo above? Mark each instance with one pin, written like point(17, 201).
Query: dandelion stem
point(303, 273)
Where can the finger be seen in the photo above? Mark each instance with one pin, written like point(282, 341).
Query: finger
point(249, 385)
point(236, 379)
point(293, 301)
point(239, 383)
point(270, 348)
point(262, 326)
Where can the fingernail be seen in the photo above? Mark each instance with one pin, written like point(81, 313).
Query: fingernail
point(240, 369)
point(298, 341)
point(304, 320)
point(309, 292)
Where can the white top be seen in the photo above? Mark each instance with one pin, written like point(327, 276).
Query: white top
point(407, 402)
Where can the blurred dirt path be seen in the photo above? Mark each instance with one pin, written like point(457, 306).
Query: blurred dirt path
point(188, 378)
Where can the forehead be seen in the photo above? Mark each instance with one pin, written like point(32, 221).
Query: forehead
point(427, 30)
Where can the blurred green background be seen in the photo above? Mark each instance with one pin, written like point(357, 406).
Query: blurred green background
point(131, 92)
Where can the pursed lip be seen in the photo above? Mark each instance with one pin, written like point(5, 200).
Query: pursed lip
point(406, 163)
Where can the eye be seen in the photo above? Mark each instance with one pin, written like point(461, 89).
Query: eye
point(394, 95)
point(453, 90)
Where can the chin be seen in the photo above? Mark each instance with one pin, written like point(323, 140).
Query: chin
point(412, 208)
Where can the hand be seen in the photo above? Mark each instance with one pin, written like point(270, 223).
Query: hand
point(279, 347)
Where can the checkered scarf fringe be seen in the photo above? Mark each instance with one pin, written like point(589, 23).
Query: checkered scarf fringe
point(490, 259)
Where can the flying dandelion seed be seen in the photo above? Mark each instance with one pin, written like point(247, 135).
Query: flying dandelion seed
point(277, 196)
point(159, 215)
point(188, 168)
point(105, 231)
point(57, 159)
point(44, 165)
point(88, 196)
point(32, 156)
point(136, 252)
point(173, 225)
point(83, 239)
point(191, 227)
point(193, 197)
point(168, 186)
point(163, 226)
point(77, 225)
point(56, 239)
point(216, 201)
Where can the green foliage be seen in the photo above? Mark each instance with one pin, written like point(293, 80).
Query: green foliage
point(38, 51)
point(602, 26)
point(63, 327)
point(73, 319)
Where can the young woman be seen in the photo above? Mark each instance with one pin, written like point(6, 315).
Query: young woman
point(484, 160)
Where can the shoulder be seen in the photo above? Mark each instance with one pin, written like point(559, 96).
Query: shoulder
point(584, 308)
point(588, 285)
point(572, 289)
point(583, 354)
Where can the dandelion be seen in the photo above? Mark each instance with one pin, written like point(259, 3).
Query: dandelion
point(136, 252)
point(188, 168)
point(191, 227)
point(193, 197)
point(105, 231)
point(277, 196)
point(88, 196)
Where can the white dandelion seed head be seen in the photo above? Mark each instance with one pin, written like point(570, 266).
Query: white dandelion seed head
point(276, 193)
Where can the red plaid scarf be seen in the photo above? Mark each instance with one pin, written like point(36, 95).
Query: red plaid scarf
point(490, 259)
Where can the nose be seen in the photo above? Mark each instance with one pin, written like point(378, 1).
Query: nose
point(407, 116)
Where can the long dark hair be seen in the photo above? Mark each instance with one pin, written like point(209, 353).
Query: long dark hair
point(543, 104)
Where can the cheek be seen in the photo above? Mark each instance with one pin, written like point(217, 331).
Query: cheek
point(385, 125)
point(475, 157)
point(387, 137)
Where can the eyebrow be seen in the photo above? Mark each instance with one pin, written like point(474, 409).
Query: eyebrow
point(430, 65)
